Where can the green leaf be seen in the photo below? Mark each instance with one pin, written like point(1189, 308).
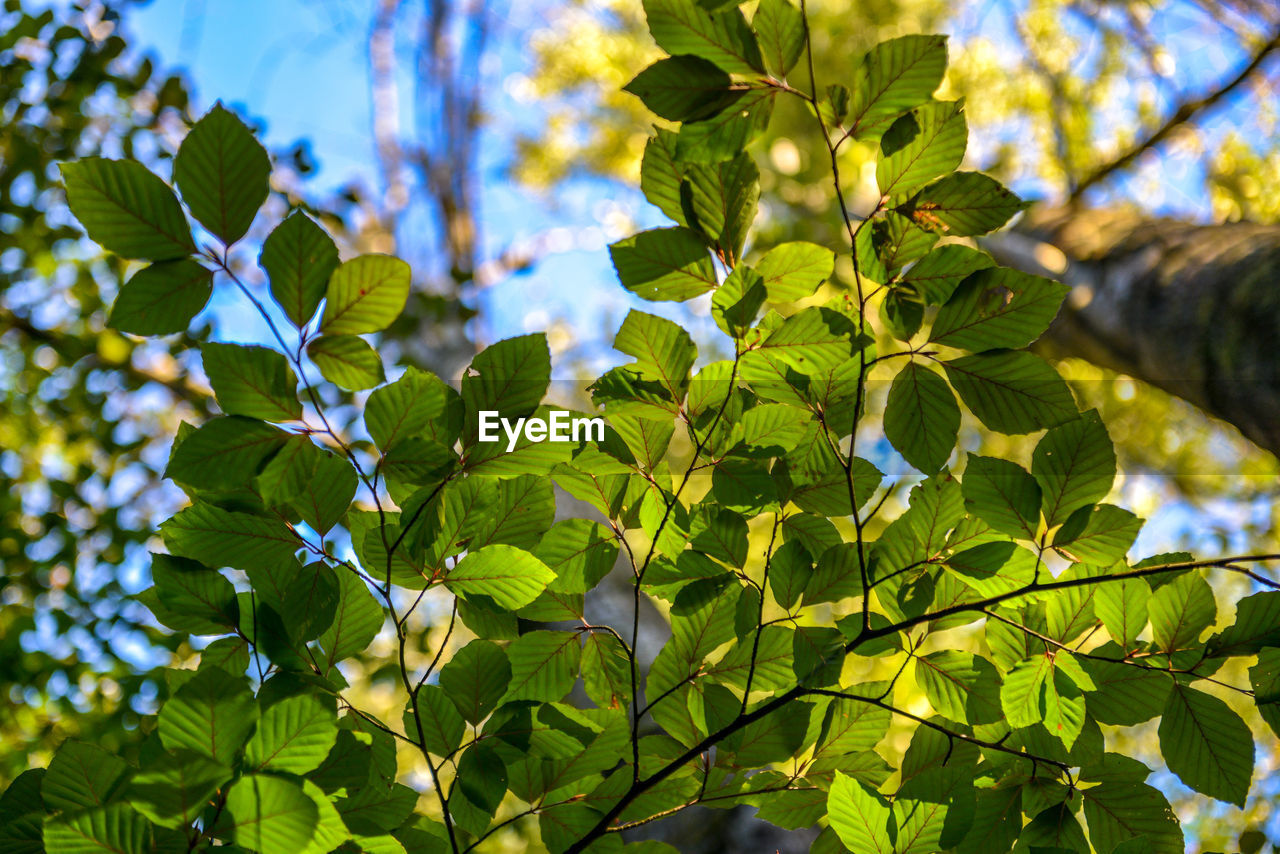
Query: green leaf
point(365, 295)
point(347, 361)
point(852, 726)
point(998, 307)
point(790, 568)
point(1002, 494)
point(994, 568)
point(662, 349)
point(231, 654)
point(1125, 695)
point(509, 377)
point(218, 538)
point(891, 243)
point(211, 714)
point(1074, 465)
point(1122, 607)
point(920, 534)
point(544, 665)
point(288, 473)
point(721, 201)
point(1265, 679)
point(960, 686)
point(921, 418)
point(1257, 625)
point(811, 341)
point(375, 808)
point(126, 209)
point(682, 27)
point(174, 788)
point(270, 815)
point(442, 725)
point(1011, 391)
point(418, 403)
point(1118, 812)
point(22, 797)
point(737, 301)
point(509, 576)
point(934, 277)
point(1207, 745)
point(200, 599)
point(793, 271)
point(330, 832)
point(860, 817)
point(922, 145)
point(253, 381)
point(1023, 687)
point(356, 622)
point(299, 258)
point(724, 537)
point(606, 671)
point(224, 174)
point(113, 829)
point(1064, 708)
point(480, 784)
point(682, 88)
point(293, 736)
point(1099, 534)
point(476, 678)
point(224, 453)
point(893, 77)
point(328, 492)
point(579, 552)
point(902, 314)
point(770, 430)
point(964, 204)
point(780, 27)
point(80, 776)
point(1069, 612)
point(663, 264)
point(1180, 611)
point(722, 136)
point(661, 175)
point(162, 299)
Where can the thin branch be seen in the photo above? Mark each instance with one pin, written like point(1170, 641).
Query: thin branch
point(950, 734)
point(1190, 671)
point(764, 582)
point(1057, 584)
point(1186, 111)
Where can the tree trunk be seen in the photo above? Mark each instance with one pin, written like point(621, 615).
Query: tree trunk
point(1191, 309)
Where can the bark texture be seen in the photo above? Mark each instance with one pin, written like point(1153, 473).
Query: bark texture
point(1191, 309)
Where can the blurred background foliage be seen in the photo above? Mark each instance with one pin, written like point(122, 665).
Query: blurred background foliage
point(1056, 92)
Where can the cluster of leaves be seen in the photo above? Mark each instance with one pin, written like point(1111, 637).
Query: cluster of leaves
point(754, 698)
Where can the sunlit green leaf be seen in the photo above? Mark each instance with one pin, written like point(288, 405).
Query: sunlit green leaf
point(127, 209)
point(162, 299)
point(347, 361)
point(223, 173)
point(253, 381)
point(299, 258)
point(365, 295)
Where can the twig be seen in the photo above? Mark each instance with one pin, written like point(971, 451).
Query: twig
point(1185, 112)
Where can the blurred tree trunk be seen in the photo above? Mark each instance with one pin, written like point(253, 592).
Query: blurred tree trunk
point(1191, 309)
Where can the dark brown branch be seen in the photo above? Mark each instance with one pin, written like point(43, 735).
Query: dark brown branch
point(1185, 112)
point(950, 734)
point(1227, 563)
